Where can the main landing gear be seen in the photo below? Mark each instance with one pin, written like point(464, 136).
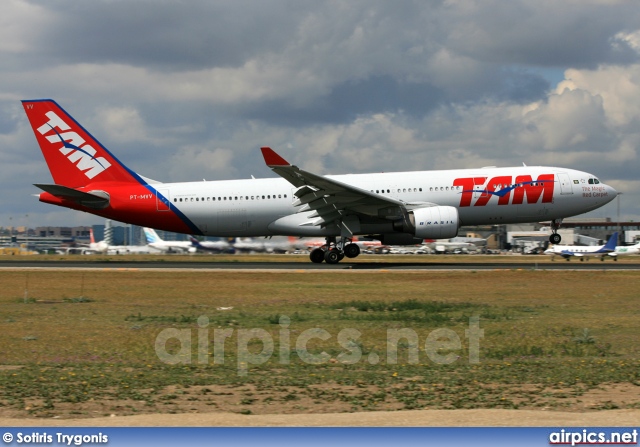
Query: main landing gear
point(555, 238)
point(334, 252)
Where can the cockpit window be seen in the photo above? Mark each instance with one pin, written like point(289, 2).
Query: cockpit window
point(594, 181)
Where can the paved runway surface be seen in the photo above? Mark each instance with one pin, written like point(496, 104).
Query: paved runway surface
point(558, 265)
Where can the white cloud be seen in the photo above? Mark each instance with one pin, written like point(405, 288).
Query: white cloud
point(631, 39)
point(122, 123)
point(337, 87)
point(619, 87)
point(20, 23)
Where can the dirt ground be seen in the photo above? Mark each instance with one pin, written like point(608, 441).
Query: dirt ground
point(414, 418)
point(610, 405)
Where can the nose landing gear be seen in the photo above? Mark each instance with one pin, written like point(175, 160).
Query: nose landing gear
point(555, 238)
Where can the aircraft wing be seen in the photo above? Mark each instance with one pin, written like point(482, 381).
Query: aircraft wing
point(100, 200)
point(567, 254)
point(331, 199)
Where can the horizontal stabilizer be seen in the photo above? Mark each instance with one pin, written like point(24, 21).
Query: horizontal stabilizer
point(93, 199)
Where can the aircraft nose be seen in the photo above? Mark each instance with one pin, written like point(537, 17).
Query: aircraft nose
point(611, 191)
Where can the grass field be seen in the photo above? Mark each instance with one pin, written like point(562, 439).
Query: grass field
point(83, 343)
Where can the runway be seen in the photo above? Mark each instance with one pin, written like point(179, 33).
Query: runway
point(309, 266)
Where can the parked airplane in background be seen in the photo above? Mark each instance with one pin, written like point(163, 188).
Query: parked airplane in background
point(624, 250)
point(155, 241)
point(219, 246)
point(276, 244)
point(396, 208)
point(582, 251)
point(102, 247)
point(464, 244)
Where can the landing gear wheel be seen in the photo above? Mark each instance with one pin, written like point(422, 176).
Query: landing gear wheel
point(317, 255)
point(555, 238)
point(351, 250)
point(332, 256)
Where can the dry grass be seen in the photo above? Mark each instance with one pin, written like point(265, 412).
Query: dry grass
point(84, 340)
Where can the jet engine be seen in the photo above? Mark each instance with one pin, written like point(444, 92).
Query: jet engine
point(433, 222)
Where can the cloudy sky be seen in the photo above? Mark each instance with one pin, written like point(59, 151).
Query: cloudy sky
point(186, 90)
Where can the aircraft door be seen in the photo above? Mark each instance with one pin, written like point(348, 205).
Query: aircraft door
point(565, 183)
point(163, 200)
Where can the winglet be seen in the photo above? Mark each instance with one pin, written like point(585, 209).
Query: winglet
point(273, 159)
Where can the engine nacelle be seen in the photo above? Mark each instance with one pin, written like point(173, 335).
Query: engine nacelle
point(435, 222)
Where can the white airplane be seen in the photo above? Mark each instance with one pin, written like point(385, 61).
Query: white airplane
point(464, 244)
point(155, 241)
point(219, 246)
point(401, 208)
point(625, 250)
point(104, 248)
point(583, 251)
point(272, 244)
point(97, 247)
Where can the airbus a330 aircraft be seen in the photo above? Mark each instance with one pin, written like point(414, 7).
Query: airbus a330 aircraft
point(396, 208)
point(584, 251)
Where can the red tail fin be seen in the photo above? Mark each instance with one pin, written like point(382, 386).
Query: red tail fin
point(75, 158)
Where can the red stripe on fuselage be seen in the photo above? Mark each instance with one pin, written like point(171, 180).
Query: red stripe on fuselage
point(134, 204)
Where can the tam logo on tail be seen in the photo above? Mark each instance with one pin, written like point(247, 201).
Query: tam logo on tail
point(74, 156)
point(74, 147)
